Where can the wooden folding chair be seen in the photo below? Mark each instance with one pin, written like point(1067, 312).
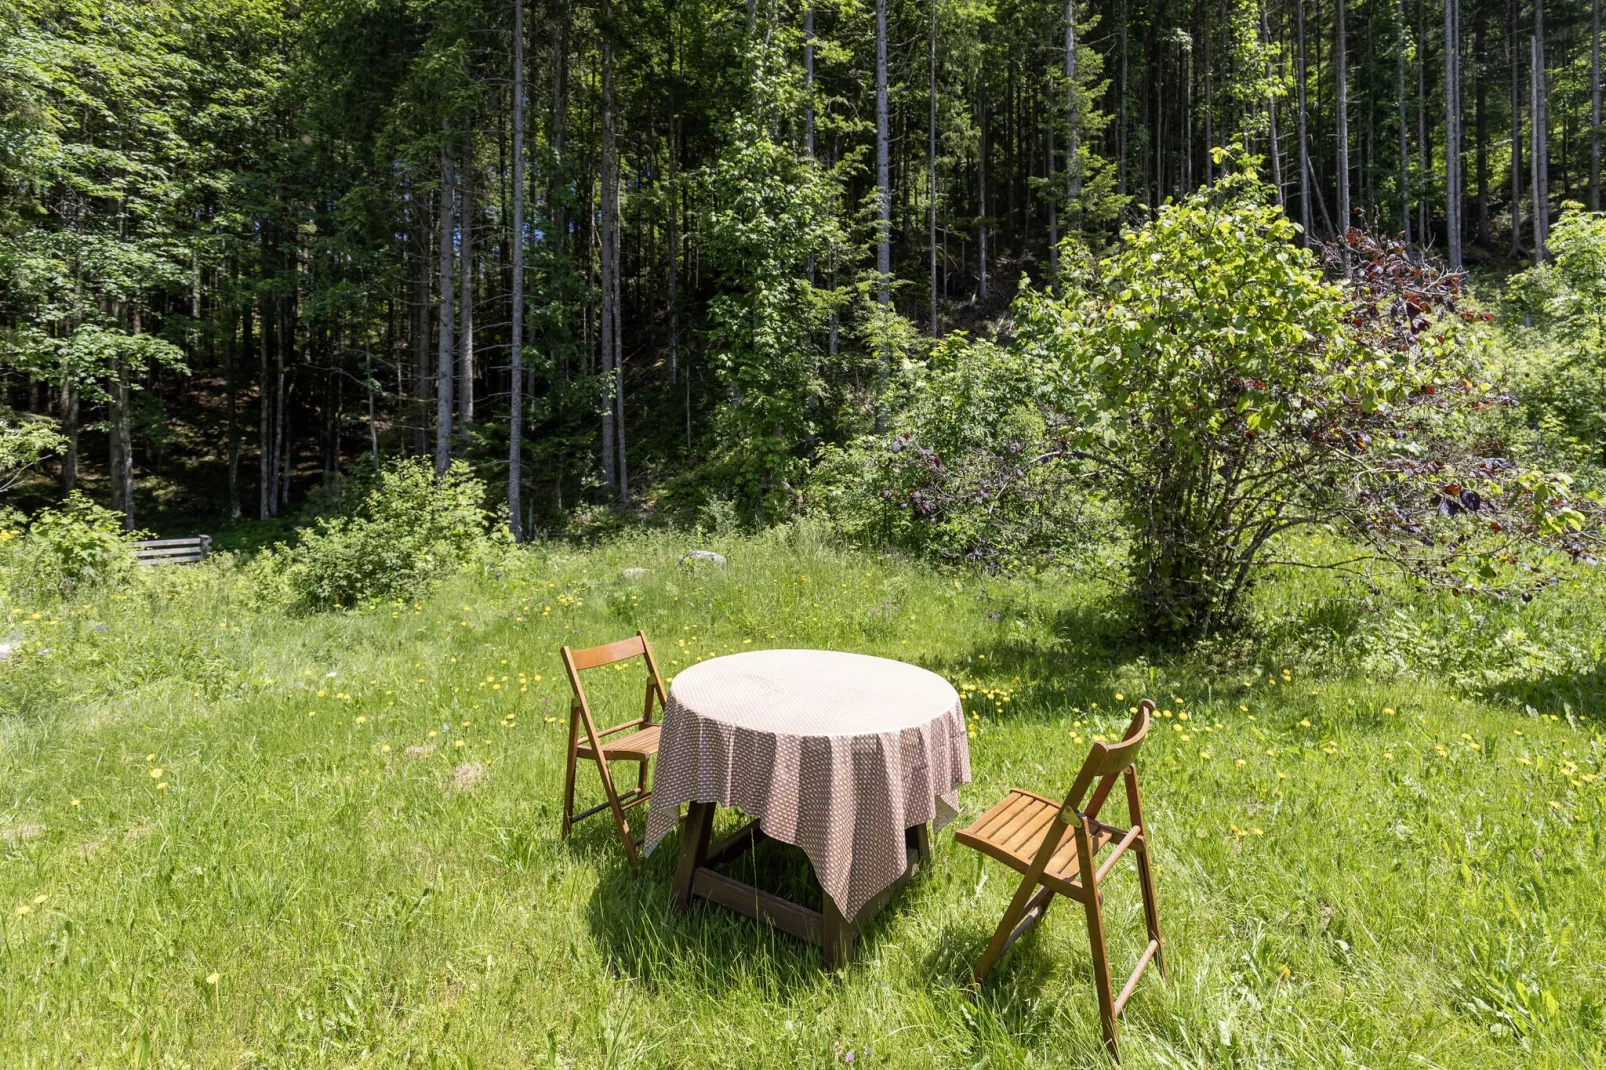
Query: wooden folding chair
point(639, 745)
point(1027, 833)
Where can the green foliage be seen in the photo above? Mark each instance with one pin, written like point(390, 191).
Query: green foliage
point(1210, 384)
point(1564, 378)
point(768, 216)
point(23, 441)
point(73, 545)
point(412, 529)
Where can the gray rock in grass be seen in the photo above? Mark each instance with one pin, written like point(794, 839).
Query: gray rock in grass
point(691, 557)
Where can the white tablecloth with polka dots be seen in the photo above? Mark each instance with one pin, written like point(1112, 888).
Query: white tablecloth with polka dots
point(836, 753)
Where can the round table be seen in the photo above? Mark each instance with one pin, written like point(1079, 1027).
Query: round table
point(847, 756)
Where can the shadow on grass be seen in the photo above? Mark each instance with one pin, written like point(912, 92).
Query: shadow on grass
point(715, 950)
point(1562, 694)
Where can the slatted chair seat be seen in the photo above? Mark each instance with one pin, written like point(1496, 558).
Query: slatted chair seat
point(1013, 830)
point(1055, 847)
point(636, 747)
point(632, 741)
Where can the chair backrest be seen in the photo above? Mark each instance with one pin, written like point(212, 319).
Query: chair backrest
point(1105, 762)
point(577, 661)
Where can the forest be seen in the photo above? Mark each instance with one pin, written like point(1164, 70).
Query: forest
point(639, 256)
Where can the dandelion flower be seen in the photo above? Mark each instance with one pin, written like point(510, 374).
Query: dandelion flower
point(78, 802)
point(24, 910)
point(1120, 697)
point(213, 978)
point(385, 749)
point(362, 720)
point(150, 757)
point(1305, 723)
point(38, 899)
point(156, 773)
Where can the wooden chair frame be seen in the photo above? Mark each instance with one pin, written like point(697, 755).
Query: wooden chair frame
point(639, 746)
point(1005, 830)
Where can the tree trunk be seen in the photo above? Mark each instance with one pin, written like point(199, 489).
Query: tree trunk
point(265, 454)
point(1594, 108)
point(1481, 125)
point(981, 206)
point(231, 356)
point(1541, 125)
point(444, 347)
point(883, 203)
point(931, 152)
point(1536, 155)
point(1405, 146)
point(1452, 132)
point(1341, 112)
point(610, 188)
point(418, 306)
point(1073, 126)
point(515, 447)
point(465, 302)
point(1512, 37)
point(69, 427)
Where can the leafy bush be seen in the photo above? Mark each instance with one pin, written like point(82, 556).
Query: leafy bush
point(1565, 388)
point(411, 530)
point(78, 543)
point(1219, 391)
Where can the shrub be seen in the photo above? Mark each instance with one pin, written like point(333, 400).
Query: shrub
point(411, 529)
point(1566, 302)
point(76, 544)
point(1220, 391)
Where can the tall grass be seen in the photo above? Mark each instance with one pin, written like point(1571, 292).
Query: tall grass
point(350, 853)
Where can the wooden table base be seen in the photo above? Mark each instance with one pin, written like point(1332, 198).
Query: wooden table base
point(827, 929)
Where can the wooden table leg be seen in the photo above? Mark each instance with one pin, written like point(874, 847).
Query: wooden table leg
point(919, 837)
point(836, 944)
point(694, 834)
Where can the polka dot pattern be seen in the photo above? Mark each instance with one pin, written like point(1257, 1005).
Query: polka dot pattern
point(835, 753)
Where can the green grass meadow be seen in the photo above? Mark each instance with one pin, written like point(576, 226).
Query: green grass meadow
point(234, 838)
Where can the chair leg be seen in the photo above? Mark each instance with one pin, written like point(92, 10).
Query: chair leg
point(1151, 911)
point(618, 812)
point(1006, 926)
point(1095, 936)
point(568, 773)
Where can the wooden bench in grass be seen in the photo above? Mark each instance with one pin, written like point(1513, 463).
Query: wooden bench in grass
point(174, 551)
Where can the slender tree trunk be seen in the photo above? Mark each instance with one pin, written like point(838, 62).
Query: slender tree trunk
point(1481, 124)
point(419, 307)
point(1541, 124)
point(1271, 109)
point(1512, 38)
point(465, 302)
point(1424, 145)
point(1120, 130)
point(1210, 102)
point(265, 396)
point(931, 151)
point(515, 448)
point(981, 205)
point(609, 188)
point(1537, 157)
point(1594, 108)
point(1452, 132)
point(1073, 126)
point(280, 494)
point(444, 350)
point(231, 356)
point(1405, 146)
point(883, 202)
point(69, 426)
point(1341, 113)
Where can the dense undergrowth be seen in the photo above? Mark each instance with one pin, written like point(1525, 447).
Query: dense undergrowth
point(233, 833)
